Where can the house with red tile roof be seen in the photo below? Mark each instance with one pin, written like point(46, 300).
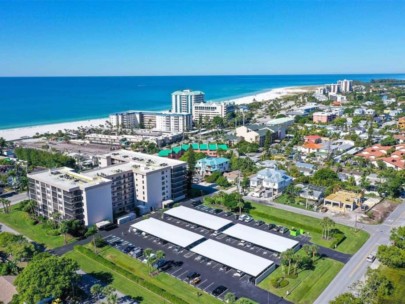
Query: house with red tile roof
point(374, 152)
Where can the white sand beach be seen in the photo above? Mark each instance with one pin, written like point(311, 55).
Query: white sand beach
point(17, 133)
point(272, 94)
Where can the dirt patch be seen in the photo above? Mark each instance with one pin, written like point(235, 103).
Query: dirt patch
point(379, 212)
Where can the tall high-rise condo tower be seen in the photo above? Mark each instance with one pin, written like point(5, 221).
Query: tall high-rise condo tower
point(182, 101)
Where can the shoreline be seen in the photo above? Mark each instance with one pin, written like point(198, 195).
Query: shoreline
point(260, 96)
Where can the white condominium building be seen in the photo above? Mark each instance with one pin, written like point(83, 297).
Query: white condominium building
point(211, 109)
point(345, 85)
point(156, 179)
point(124, 180)
point(72, 195)
point(182, 101)
point(158, 121)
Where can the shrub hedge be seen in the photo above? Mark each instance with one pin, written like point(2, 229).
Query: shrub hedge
point(138, 280)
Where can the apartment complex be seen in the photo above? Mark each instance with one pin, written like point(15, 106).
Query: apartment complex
point(156, 179)
point(124, 180)
point(207, 111)
point(72, 195)
point(158, 121)
point(183, 101)
point(323, 117)
point(345, 86)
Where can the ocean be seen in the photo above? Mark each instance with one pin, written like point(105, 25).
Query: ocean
point(30, 101)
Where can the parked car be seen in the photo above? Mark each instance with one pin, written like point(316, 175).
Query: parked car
point(195, 281)
point(192, 275)
point(259, 223)
point(370, 258)
point(219, 290)
point(228, 213)
point(283, 230)
point(271, 226)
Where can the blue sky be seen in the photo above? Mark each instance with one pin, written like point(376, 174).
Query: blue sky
point(201, 37)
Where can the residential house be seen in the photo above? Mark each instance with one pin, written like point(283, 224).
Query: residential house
point(270, 181)
point(255, 133)
point(208, 165)
point(312, 194)
point(323, 117)
point(305, 168)
point(401, 123)
point(7, 288)
point(343, 201)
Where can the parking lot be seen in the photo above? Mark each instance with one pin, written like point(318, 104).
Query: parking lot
point(184, 262)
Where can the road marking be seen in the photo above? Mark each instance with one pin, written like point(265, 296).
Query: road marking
point(361, 262)
point(183, 273)
point(209, 285)
point(177, 270)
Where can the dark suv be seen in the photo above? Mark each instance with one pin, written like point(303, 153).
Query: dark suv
point(219, 290)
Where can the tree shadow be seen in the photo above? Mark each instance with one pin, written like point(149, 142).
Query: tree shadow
point(129, 299)
point(103, 276)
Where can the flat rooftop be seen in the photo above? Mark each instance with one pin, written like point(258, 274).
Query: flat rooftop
point(66, 178)
point(110, 170)
point(168, 232)
point(260, 238)
point(343, 196)
point(233, 257)
point(142, 159)
point(197, 217)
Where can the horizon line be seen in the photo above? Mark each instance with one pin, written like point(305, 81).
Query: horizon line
point(198, 75)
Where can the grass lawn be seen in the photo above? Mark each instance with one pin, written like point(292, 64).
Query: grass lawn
point(20, 221)
point(397, 277)
point(119, 282)
point(175, 286)
point(353, 242)
point(308, 285)
point(163, 280)
point(282, 199)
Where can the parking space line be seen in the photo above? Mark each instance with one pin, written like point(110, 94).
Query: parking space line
point(209, 286)
point(183, 274)
point(177, 270)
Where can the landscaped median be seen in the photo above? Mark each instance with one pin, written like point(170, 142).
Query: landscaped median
point(131, 277)
point(351, 243)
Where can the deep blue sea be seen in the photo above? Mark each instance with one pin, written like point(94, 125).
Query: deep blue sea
point(28, 101)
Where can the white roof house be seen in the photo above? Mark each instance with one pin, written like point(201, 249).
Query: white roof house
point(168, 232)
point(271, 179)
point(200, 218)
point(261, 238)
point(233, 257)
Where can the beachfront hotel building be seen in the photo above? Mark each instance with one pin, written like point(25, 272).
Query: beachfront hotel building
point(183, 101)
point(153, 120)
point(123, 181)
point(72, 195)
point(207, 111)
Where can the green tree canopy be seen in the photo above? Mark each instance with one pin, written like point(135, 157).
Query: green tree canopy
point(51, 276)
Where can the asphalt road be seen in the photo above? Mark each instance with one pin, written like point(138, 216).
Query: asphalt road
point(357, 266)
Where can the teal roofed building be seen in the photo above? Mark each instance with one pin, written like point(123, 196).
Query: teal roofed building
point(209, 165)
point(210, 149)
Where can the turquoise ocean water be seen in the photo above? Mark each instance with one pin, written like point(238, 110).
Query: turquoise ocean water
point(28, 101)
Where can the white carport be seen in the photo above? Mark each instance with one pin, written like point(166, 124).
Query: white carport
point(200, 218)
point(168, 232)
point(261, 238)
point(246, 262)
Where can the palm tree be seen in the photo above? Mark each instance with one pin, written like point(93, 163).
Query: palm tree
point(314, 249)
point(240, 205)
point(160, 254)
point(229, 298)
point(64, 229)
point(56, 216)
point(31, 207)
point(96, 290)
point(6, 205)
point(287, 258)
point(112, 299)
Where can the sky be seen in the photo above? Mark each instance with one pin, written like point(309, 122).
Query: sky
point(201, 37)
